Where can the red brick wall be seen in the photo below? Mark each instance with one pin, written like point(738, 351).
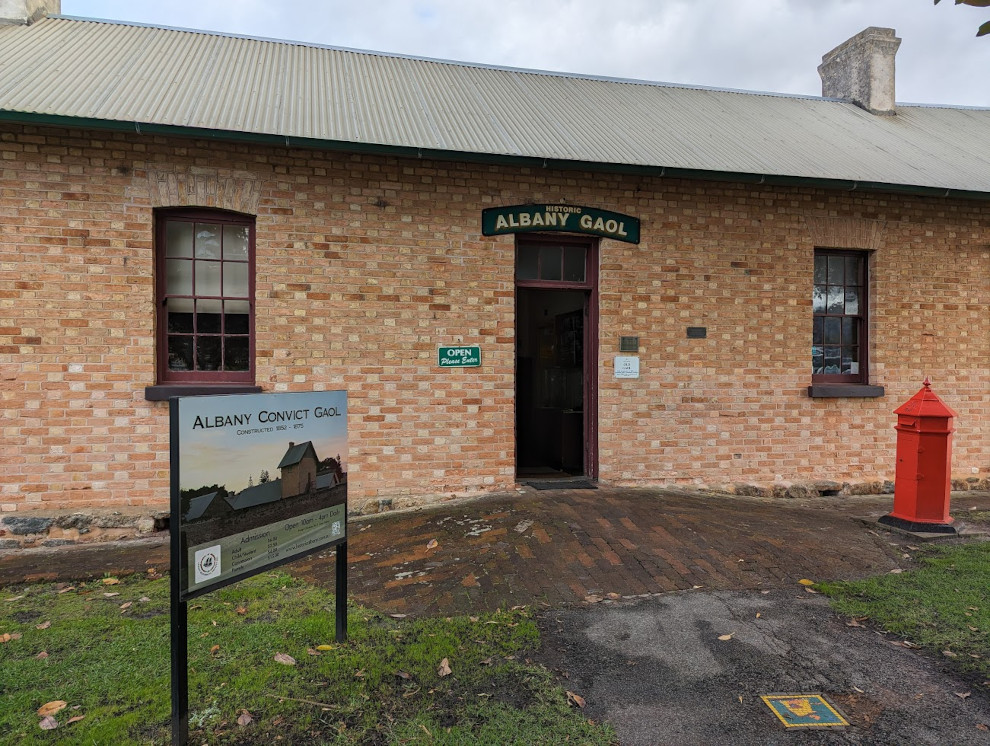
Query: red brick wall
point(365, 264)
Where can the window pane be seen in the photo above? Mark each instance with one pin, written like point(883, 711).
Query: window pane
point(235, 242)
point(852, 300)
point(235, 279)
point(207, 278)
point(854, 266)
point(180, 315)
point(818, 299)
point(821, 265)
point(178, 238)
point(178, 277)
point(835, 273)
point(832, 327)
point(836, 299)
point(850, 360)
point(818, 335)
point(549, 262)
point(236, 316)
point(208, 316)
point(850, 331)
point(832, 360)
point(236, 353)
point(180, 355)
point(817, 360)
point(574, 263)
point(208, 353)
point(527, 264)
point(207, 241)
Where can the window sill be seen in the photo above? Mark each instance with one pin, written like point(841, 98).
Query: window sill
point(843, 391)
point(163, 392)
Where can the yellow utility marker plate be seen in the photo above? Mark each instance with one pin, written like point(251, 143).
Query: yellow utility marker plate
point(804, 710)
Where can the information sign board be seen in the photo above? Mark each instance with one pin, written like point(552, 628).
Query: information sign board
point(258, 479)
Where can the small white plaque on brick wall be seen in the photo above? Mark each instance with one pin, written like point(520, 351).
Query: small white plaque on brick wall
point(626, 366)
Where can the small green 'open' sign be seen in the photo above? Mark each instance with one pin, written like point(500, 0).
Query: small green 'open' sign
point(468, 356)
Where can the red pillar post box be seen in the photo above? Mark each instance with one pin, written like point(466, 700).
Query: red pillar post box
point(922, 479)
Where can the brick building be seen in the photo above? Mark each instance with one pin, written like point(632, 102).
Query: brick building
point(187, 212)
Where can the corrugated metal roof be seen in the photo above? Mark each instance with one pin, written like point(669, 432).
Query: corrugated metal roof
point(125, 73)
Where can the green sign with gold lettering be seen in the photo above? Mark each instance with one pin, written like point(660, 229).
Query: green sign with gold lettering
point(496, 221)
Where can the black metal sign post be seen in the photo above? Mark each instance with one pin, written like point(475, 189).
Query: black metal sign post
point(234, 528)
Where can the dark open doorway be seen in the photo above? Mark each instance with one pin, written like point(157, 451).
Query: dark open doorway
point(556, 355)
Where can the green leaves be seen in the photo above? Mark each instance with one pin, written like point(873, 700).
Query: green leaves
point(985, 28)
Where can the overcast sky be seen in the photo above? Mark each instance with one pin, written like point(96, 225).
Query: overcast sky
point(761, 45)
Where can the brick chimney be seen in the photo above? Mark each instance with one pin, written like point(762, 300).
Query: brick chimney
point(861, 70)
point(24, 12)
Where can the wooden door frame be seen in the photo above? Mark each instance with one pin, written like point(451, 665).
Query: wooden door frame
point(591, 325)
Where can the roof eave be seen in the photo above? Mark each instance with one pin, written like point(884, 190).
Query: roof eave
point(406, 151)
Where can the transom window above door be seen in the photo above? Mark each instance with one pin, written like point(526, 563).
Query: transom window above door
point(552, 262)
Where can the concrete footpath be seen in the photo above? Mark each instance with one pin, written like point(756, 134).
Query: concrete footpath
point(634, 588)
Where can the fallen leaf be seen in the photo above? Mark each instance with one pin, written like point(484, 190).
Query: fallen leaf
point(896, 571)
point(126, 606)
point(575, 699)
point(6, 637)
point(66, 590)
point(48, 723)
point(359, 674)
point(241, 610)
point(310, 651)
point(857, 689)
point(981, 726)
point(110, 595)
point(740, 699)
point(42, 655)
point(44, 625)
point(286, 660)
point(110, 581)
point(854, 623)
point(805, 581)
point(398, 616)
point(74, 719)
point(963, 695)
point(725, 638)
point(592, 599)
point(403, 675)
point(613, 596)
point(432, 544)
point(810, 590)
point(472, 619)
point(324, 647)
point(244, 718)
point(950, 654)
point(696, 587)
point(15, 598)
point(971, 628)
point(758, 615)
point(214, 650)
point(50, 708)
point(444, 668)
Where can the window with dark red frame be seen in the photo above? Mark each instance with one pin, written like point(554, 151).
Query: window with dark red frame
point(540, 260)
point(205, 286)
point(839, 339)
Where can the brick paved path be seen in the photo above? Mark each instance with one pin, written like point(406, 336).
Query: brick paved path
point(557, 547)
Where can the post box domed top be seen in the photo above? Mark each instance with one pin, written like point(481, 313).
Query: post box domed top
point(925, 404)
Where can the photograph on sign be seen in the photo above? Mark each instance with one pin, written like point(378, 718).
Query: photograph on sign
point(261, 479)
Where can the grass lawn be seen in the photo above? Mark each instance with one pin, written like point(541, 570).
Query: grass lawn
point(102, 648)
point(943, 606)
